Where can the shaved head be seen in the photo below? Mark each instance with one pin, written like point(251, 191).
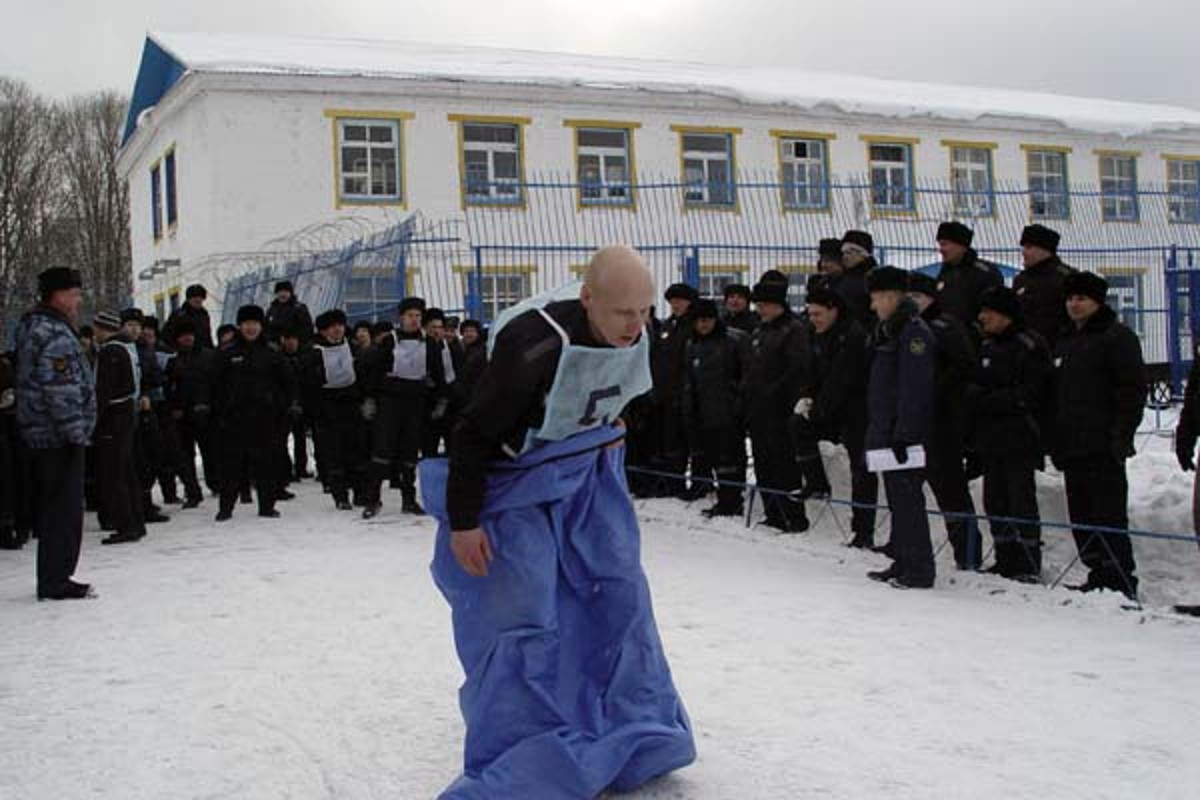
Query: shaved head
point(618, 292)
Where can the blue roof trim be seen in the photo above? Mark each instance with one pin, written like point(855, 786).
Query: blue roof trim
point(157, 73)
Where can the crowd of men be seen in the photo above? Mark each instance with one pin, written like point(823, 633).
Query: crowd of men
point(957, 372)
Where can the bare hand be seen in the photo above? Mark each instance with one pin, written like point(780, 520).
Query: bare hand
point(472, 550)
point(144, 404)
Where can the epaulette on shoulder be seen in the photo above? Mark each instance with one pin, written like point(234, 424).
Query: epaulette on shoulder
point(940, 322)
point(1024, 338)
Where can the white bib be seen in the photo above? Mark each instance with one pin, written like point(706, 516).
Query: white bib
point(409, 359)
point(339, 365)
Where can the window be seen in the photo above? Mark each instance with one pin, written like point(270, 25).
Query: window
point(804, 170)
point(714, 279)
point(492, 160)
point(1183, 190)
point(156, 201)
point(173, 300)
point(369, 161)
point(1118, 187)
point(499, 291)
point(1125, 297)
point(604, 162)
point(797, 275)
point(169, 176)
point(971, 178)
point(708, 167)
point(1048, 198)
point(891, 173)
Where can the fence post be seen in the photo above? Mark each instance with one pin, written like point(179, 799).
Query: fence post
point(1174, 320)
point(474, 300)
point(691, 267)
point(402, 273)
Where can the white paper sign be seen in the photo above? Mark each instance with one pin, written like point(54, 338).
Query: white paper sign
point(885, 460)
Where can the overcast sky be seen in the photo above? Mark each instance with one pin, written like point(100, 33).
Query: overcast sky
point(1143, 50)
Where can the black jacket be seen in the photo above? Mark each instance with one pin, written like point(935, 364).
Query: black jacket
point(956, 360)
point(377, 366)
point(1011, 394)
point(900, 391)
point(851, 284)
point(667, 360)
point(744, 321)
point(321, 404)
point(779, 370)
point(840, 357)
point(290, 316)
point(199, 318)
point(115, 382)
point(1100, 390)
point(189, 375)
point(1188, 429)
point(252, 384)
point(1040, 290)
point(962, 284)
point(474, 361)
point(712, 389)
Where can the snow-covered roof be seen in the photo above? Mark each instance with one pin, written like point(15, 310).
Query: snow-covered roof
point(811, 91)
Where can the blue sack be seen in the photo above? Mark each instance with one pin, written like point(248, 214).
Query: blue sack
point(568, 692)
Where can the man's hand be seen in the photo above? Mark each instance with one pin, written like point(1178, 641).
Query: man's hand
point(1185, 452)
point(900, 451)
point(803, 407)
point(144, 404)
point(472, 550)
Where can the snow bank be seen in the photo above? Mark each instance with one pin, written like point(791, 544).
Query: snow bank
point(807, 91)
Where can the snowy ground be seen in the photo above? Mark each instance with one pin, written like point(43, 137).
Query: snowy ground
point(310, 657)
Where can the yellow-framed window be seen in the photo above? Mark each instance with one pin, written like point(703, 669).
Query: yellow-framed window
point(804, 169)
point(369, 157)
point(605, 166)
point(892, 174)
point(715, 277)
point(708, 166)
point(972, 178)
point(1049, 191)
point(1183, 189)
point(491, 160)
point(497, 286)
point(1119, 200)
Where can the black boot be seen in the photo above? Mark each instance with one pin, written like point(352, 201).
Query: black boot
point(862, 541)
point(121, 537)
point(67, 591)
point(885, 575)
point(409, 504)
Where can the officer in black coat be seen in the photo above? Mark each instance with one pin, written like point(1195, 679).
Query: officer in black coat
point(858, 259)
point(194, 312)
point(737, 312)
point(667, 367)
point(287, 313)
point(252, 389)
point(778, 374)
point(189, 369)
point(1100, 394)
point(159, 442)
point(1039, 286)
point(837, 410)
point(713, 406)
point(900, 401)
point(405, 369)
point(956, 362)
point(964, 276)
point(1008, 399)
point(333, 399)
point(474, 360)
point(118, 390)
point(293, 346)
point(442, 407)
point(1186, 432)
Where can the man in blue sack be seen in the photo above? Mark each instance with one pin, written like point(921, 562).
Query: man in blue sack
point(568, 693)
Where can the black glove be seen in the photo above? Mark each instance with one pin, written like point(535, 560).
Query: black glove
point(900, 451)
point(1186, 453)
point(296, 412)
point(201, 416)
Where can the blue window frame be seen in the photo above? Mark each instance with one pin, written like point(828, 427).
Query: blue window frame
point(1118, 188)
point(891, 168)
point(169, 177)
point(156, 200)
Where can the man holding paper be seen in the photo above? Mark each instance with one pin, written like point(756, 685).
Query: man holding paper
point(899, 418)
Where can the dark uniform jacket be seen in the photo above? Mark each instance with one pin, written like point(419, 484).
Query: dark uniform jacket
point(199, 317)
point(1188, 429)
point(1040, 290)
point(1100, 390)
point(712, 390)
point(474, 361)
point(962, 284)
point(290, 316)
point(744, 321)
point(377, 366)
point(900, 391)
point(252, 384)
point(851, 284)
point(189, 375)
point(779, 370)
point(667, 360)
point(840, 357)
point(56, 400)
point(1012, 394)
point(956, 360)
point(508, 402)
point(115, 381)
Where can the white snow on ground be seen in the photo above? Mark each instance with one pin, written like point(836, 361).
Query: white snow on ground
point(805, 91)
point(311, 657)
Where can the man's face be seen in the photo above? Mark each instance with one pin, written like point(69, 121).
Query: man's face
point(410, 321)
point(251, 329)
point(679, 306)
point(470, 336)
point(104, 334)
point(334, 333)
point(852, 256)
point(86, 342)
point(769, 311)
point(283, 295)
point(884, 304)
point(149, 337)
point(993, 322)
point(1032, 255)
point(830, 266)
point(196, 301)
point(618, 318)
point(952, 252)
point(226, 338)
point(436, 330)
point(705, 325)
point(736, 303)
point(822, 317)
point(1080, 308)
point(290, 344)
point(450, 334)
point(363, 337)
point(68, 302)
point(132, 329)
point(185, 342)
point(922, 300)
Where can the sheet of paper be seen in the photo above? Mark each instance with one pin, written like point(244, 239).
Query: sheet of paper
point(885, 460)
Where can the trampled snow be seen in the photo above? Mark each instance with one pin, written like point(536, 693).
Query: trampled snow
point(311, 657)
point(807, 91)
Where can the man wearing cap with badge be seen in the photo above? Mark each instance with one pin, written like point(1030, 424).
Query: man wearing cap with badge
point(737, 312)
point(900, 397)
point(964, 276)
point(192, 310)
point(1100, 393)
point(1039, 286)
point(56, 414)
point(667, 366)
point(287, 313)
point(333, 398)
point(858, 256)
point(1009, 400)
